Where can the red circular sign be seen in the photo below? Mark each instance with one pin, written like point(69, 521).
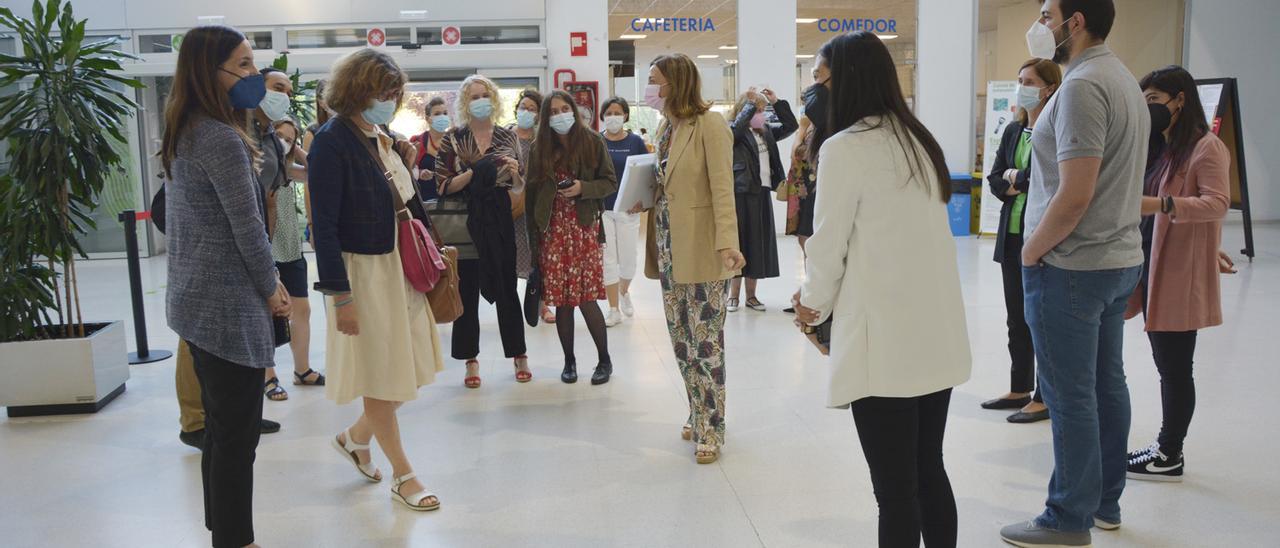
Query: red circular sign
point(451, 36)
point(377, 37)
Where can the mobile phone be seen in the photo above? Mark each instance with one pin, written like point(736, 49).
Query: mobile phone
point(564, 183)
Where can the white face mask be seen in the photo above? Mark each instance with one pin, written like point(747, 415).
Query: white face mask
point(1041, 42)
point(1028, 97)
point(275, 105)
point(285, 145)
point(613, 124)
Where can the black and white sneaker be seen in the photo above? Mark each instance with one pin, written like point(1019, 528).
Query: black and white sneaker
point(1137, 454)
point(1155, 466)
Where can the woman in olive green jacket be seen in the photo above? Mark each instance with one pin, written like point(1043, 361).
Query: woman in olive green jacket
point(569, 173)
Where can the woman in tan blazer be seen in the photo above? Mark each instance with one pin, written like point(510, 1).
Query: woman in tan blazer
point(692, 242)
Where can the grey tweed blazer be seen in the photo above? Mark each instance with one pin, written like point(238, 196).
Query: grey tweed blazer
point(221, 272)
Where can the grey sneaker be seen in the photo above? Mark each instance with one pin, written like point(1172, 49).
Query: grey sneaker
point(1030, 535)
point(1105, 525)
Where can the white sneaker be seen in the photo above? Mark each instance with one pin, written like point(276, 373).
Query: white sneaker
point(614, 318)
point(627, 309)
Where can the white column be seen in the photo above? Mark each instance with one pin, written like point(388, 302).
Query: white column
point(569, 16)
point(767, 46)
point(947, 32)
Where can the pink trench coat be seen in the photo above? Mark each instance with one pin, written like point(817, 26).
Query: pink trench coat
point(1184, 293)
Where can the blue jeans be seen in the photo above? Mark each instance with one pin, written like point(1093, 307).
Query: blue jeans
point(1077, 326)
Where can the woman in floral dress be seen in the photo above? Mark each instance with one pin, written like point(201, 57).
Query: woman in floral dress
point(569, 173)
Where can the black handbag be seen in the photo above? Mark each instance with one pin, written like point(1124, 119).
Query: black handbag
point(449, 217)
point(533, 297)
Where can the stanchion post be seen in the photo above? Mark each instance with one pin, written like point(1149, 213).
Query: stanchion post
point(144, 354)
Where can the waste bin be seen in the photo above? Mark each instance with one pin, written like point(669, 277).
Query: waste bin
point(959, 208)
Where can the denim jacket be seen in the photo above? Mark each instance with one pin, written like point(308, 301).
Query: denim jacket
point(351, 204)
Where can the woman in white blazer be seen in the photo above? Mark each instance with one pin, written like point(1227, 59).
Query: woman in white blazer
point(882, 264)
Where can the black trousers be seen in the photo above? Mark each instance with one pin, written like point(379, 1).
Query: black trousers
point(1022, 354)
point(902, 441)
point(466, 329)
point(1173, 353)
point(232, 396)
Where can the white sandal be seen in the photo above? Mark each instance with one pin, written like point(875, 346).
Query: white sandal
point(348, 450)
point(416, 498)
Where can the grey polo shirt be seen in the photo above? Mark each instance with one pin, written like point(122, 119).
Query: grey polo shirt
point(1097, 112)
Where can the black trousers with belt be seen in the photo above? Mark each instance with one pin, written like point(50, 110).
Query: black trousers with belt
point(466, 329)
point(1022, 354)
point(902, 441)
point(232, 397)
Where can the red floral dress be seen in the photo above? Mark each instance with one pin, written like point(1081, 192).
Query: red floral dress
point(571, 260)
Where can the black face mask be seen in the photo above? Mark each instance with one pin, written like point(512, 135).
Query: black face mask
point(1161, 117)
point(815, 101)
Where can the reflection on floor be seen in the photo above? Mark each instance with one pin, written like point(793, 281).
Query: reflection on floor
point(548, 464)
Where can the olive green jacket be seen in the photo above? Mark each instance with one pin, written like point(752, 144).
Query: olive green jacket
point(597, 184)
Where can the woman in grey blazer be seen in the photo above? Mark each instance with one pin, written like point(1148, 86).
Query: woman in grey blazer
point(223, 285)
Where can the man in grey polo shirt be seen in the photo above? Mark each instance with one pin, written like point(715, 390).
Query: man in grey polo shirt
point(1080, 263)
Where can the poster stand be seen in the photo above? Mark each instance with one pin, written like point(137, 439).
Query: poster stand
point(1221, 100)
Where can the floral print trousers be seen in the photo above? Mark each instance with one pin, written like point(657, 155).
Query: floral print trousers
point(695, 319)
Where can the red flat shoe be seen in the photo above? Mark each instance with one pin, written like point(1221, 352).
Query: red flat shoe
point(472, 382)
point(522, 376)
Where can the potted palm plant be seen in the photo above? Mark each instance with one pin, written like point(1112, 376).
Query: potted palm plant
point(61, 126)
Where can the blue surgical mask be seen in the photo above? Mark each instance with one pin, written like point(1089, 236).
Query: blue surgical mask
point(381, 112)
point(275, 105)
point(440, 123)
point(481, 108)
point(248, 92)
point(525, 119)
point(563, 122)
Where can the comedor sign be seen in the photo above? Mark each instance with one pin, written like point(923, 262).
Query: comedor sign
point(832, 24)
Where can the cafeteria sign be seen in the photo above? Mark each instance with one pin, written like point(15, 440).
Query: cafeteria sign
point(673, 24)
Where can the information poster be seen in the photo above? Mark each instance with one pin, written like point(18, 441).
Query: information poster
point(1001, 110)
point(1210, 98)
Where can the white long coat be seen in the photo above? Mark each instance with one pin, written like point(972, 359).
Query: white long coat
point(882, 261)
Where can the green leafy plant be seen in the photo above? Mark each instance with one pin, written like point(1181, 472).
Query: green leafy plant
point(303, 106)
point(62, 128)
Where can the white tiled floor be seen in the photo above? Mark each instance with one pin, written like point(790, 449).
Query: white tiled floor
point(546, 464)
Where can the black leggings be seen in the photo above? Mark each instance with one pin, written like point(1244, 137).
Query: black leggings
point(902, 441)
point(1173, 353)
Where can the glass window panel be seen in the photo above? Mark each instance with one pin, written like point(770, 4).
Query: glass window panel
point(473, 35)
point(343, 38)
point(164, 43)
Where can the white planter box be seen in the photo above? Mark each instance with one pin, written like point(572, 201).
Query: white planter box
point(64, 376)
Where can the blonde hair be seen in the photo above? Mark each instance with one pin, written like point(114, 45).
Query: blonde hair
point(740, 104)
point(684, 98)
point(461, 105)
point(362, 77)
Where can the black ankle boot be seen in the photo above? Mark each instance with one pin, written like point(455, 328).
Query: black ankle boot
point(603, 371)
point(570, 374)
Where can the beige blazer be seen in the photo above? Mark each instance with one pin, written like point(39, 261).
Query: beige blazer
point(882, 263)
point(699, 193)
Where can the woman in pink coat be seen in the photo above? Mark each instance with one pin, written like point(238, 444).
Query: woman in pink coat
point(1187, 192)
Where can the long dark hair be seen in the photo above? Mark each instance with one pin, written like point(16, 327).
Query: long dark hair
point(864, 83)
point(548, 153)
point(195, 89)
point(1191, 125)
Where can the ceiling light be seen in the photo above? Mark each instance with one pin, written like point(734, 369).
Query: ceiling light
point(804, 56)
point(413, 15)
point(887, 36)
point(731, 61)
point(728, 47)
point(708, 57)
point(632, 36)
point(806, 20)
